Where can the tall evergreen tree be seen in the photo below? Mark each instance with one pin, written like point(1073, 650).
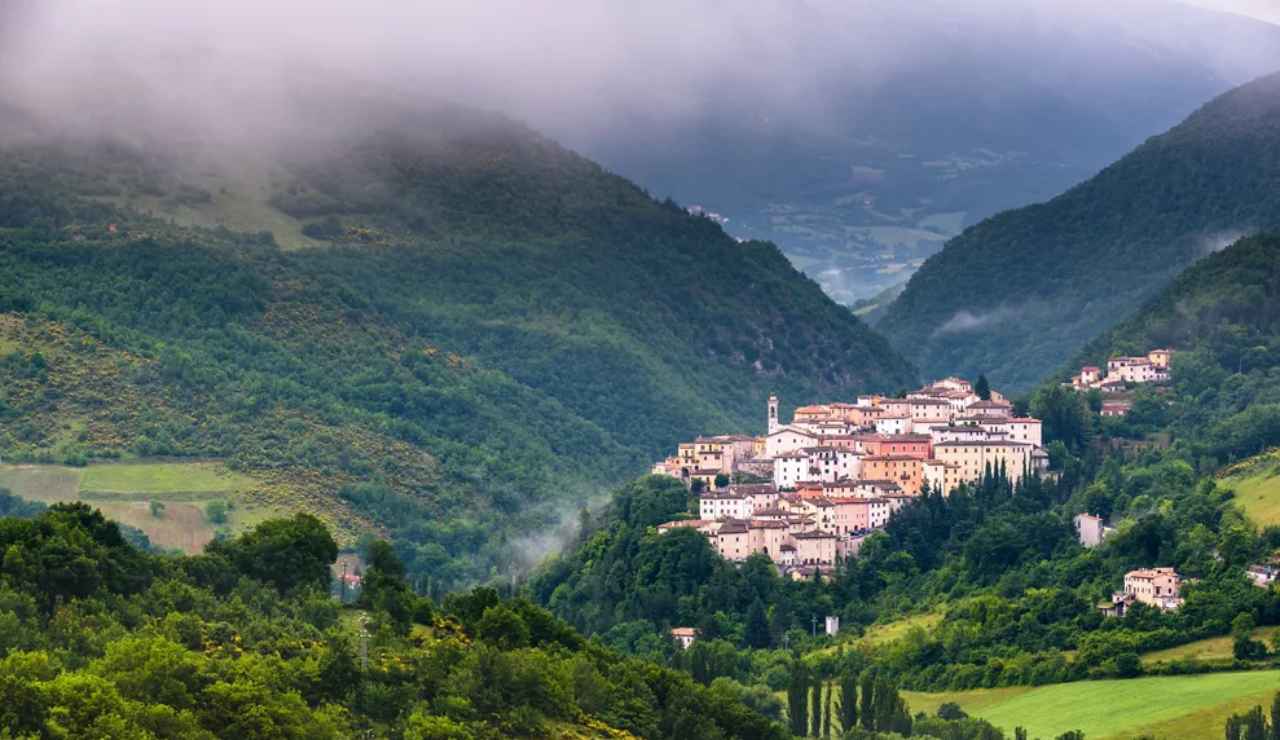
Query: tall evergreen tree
point(757, 630)
point(826, 711)
point(982, 388)
point(815, 709)
point(1255, 725)
point(847, 707)
point(868, 707)
point(798, 698)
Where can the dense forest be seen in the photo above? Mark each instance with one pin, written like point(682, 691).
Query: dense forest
point(1019, 293)
point(476, 330)
point(102, 640)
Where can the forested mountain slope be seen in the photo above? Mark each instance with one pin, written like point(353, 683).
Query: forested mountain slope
point(1020, 292)
point(445, 327)
point(1222, 316)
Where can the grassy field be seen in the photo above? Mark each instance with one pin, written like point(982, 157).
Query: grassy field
point(125, 492)
point(1258, 493)
point(1187, 707)
point(1209, 649)
point(157, 478)
point(879, 634)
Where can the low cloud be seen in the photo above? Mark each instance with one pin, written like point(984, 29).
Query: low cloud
point(1219, 241)
point(964, 322)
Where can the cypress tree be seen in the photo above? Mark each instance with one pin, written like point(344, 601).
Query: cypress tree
point(826, 711)
point(1255, 725)
point(868, 708)
point(847, 707)
point(798, 699)
point(815, 710)
point(1275, 717)
point(757, 630)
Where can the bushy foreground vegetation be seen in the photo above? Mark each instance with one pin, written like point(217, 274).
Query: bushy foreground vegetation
point(101, 640)
point(482, 335)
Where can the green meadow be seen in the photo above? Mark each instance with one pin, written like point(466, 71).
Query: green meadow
point(1188, 707)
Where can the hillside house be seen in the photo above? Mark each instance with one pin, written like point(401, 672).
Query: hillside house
point(941, 476)
point(684, 636)
point(785, 440)
point(1091, 530)
point(989, 409)
point(974, 459)
point(815, 548)
point(725, 504)
point(904, 470)
point(1160, 588)
point(894, 425)
point(1263, 574)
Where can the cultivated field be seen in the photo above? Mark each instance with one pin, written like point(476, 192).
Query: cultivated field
point(1189, 707)
point(126, 492)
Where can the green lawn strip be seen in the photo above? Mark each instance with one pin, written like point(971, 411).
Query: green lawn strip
point(158, 478)
point(972, 701)
point(1211, 648)
point(1107, 708)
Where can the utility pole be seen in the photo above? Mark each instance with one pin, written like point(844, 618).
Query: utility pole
point(815, 626)
point(342, 592)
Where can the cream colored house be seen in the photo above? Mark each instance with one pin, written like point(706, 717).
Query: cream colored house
point(1156, 587)
point(974, 458)
point(788, 439)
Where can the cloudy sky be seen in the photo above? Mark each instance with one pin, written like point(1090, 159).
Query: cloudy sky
point(1266, 10)
point(555, 64)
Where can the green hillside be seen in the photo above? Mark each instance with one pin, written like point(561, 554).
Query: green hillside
point(1222, 316)
point(1019, 293)
point(472, 328)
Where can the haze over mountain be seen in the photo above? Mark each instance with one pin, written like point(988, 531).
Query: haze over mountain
point(857, 136)
point(406, 316)
point(1020, 292)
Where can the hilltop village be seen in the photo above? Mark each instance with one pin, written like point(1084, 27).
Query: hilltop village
point(822, 483)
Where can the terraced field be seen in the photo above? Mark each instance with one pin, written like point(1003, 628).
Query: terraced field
point(126, 492)
point(1184, 707)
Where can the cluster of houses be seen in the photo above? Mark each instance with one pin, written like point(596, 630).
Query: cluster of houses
point(1123, 372)
point(838, 471)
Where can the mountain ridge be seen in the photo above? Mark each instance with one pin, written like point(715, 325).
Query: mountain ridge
point(1036, 283)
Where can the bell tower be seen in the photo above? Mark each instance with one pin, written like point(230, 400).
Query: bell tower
point(773, 414)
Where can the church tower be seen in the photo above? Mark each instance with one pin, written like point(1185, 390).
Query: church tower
point(773, 414)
